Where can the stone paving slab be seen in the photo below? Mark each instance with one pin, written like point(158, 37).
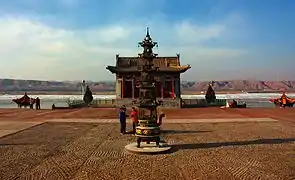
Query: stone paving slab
point(225, 120)
point(171, 120)
point(9, 127)
point(225, 151)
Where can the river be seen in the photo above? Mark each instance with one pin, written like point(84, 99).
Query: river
point(252, 99)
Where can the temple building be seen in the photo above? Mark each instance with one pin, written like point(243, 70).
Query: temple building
point(167, 78)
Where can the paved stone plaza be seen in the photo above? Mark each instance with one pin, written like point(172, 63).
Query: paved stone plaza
point(203, 150)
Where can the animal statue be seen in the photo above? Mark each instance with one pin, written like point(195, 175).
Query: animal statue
point(234, 104)
point(283, 101)
point(24, 101)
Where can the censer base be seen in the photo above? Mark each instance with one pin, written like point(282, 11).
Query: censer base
point(148, 140)
point(151, 148)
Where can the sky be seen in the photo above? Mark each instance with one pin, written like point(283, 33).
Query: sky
point(77, 39)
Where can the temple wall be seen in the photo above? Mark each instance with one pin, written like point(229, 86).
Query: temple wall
point(167, 103)
point(167, 86)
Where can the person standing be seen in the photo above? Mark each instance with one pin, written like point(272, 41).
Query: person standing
point(31, 103)
point(134, 118)
point(38, 106)
point(122, 118)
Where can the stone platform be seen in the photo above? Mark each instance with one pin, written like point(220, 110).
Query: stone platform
point(145, 148)
point(68, 150)
point(10, 127)
point(165, 121)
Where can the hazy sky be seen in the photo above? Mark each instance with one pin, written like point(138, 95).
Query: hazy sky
point(77, 39)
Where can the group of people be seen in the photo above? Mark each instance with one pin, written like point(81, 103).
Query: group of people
point(134, 117)
point(122, 117)
point(37, 102)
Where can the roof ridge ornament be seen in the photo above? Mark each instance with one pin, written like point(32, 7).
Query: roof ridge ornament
point(147, 32)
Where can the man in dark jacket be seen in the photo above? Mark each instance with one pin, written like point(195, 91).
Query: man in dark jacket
point(122, 118)
point(38, 106)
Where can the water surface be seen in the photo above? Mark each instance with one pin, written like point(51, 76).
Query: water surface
point(252, 99)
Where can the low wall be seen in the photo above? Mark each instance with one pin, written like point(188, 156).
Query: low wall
point(191, 103)
point(167, 103)
point(104, 103)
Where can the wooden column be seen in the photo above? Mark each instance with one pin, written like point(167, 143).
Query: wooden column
point(177, 87)
point(162, 87)
point(173, 88)
point(133, 88)
point(119, 88)
point(122, 88)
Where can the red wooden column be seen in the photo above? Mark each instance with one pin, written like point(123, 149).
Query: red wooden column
point(173, 88)
point(161, 83)
point(133, 88)
point(162, 89)
point(122, 87)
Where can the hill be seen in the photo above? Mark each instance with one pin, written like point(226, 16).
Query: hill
point(15, 85)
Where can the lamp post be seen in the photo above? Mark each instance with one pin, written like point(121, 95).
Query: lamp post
point(83, 87)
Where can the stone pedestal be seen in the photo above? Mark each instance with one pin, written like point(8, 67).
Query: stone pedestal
point(151, 148)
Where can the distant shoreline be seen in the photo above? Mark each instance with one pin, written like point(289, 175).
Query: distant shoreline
point(114, 93)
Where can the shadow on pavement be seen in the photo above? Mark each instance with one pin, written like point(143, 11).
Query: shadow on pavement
point(177, 147)
point(181, 132)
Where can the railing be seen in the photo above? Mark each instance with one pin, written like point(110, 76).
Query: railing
point(75, 103)
point(103, 103)
point(190, 103)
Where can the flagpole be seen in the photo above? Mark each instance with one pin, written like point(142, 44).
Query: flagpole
point(83, 87)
